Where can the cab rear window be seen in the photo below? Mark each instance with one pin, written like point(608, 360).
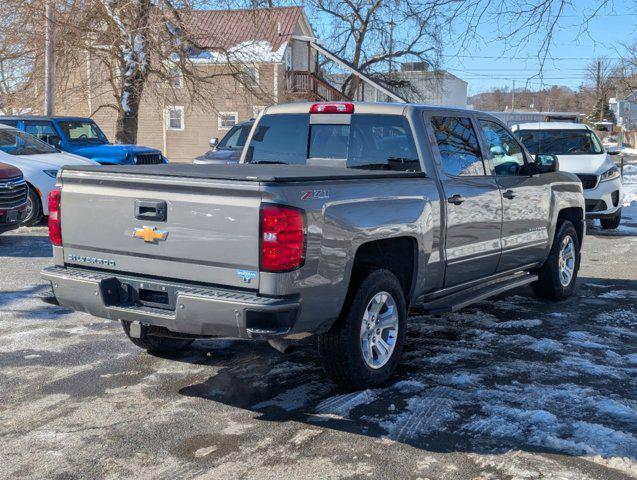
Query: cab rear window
point(379, 142)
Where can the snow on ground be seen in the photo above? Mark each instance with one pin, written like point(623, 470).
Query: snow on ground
point(490, 379)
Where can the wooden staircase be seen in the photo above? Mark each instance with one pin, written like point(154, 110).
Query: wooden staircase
point(308, 86)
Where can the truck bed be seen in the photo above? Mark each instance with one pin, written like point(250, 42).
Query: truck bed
point(268, 173)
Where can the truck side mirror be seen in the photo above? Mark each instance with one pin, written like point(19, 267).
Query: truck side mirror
point(613, 151)
point(214, 141)
point(546, 163)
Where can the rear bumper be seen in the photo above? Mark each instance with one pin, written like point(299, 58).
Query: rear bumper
point(195, 310)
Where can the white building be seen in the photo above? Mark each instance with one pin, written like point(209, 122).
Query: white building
point(431, 87)
point(625, 111)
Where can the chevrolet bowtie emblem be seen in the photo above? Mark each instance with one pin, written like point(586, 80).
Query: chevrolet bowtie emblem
point(150, 234)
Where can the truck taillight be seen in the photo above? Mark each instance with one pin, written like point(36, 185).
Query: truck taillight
point(282, 238)
point(339, 107)
point(55, 227)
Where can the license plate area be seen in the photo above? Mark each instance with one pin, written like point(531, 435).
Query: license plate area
point(12, 216)
point(127, 292)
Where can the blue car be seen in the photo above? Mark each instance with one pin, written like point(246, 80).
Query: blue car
point(82, 136)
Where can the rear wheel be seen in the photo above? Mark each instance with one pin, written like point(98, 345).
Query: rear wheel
point(558, 274)
point(611, 223)
point(364, 346)
point(152, 343)
point(34, 209)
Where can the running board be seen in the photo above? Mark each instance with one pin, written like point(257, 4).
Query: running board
point(455, 301)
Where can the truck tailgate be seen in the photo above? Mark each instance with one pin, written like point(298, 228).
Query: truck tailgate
point(209, 231)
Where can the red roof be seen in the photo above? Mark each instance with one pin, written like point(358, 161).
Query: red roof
point(223, 29)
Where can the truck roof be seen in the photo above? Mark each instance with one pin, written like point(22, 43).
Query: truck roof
point(42, 117)
point(387, 108)
point(550, 126)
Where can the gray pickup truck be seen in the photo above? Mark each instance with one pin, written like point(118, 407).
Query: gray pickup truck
point(338, 220)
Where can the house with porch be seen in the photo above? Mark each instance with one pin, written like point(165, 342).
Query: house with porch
point(279, 53)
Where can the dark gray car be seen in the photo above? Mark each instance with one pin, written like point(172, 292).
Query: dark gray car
point(228, 150)
point(338, 219)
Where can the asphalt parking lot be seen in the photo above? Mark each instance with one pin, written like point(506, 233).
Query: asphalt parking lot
point(512, 388)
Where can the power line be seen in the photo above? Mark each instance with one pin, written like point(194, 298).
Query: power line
point(503, 57)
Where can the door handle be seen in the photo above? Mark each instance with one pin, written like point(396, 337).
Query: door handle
point(150, 210)
point(510, 194)
point(456, 199)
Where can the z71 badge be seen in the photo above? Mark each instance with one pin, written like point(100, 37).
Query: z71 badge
point(247, 275)
point(314, 194)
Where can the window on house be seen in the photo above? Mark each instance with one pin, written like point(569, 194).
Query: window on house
point(176, 77)
point(227, 120)
point(175, 118)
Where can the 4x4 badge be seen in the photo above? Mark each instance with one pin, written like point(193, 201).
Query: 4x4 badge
point(150, 234)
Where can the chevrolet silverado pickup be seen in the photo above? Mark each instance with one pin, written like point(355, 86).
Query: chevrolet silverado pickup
point(339, 218)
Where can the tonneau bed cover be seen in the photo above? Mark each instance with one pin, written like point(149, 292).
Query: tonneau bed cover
point(246, 172)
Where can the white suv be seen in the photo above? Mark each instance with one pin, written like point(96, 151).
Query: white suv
point(579, 151)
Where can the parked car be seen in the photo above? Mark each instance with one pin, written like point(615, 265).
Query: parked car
point(39, 162)
point(13, 197)
point(229, 149)
point(579, 151)
point(82, 136)
point(338, 219)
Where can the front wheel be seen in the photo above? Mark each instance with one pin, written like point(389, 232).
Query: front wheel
point(34, 209)
point(155, 344)
point(558, 274)
point(611, 223)
point(364, 346)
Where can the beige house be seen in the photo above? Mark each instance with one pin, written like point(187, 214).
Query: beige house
point(271, 45)
point(274, 57)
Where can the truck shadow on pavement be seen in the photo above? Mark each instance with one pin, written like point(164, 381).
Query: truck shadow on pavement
point(510, 373)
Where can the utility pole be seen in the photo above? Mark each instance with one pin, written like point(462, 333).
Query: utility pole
point(391, 44)
point(513, 97)
point(49, 59)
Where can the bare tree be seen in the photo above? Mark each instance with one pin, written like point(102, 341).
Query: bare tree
point(134, 49)
point(604, 75)
point(371, 35)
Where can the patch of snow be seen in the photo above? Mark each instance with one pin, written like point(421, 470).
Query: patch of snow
point(598, 439)
point(585, 340)
point(422, 416)
point(463, 378)
point(546, 345)
point(295, 398)
point(617, 410)
point(343, 404)
point(619, 294)
point(250, 51)
point(409, 386)
point(519, 324)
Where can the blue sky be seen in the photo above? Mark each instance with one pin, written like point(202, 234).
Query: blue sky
point(572, 49)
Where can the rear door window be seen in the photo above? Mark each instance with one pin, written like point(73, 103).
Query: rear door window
point(280, 139)
point(378, 142)
point(458, 146)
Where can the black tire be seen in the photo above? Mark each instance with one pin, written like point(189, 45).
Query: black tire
point(549, 285)
point(154, 344)
point(611, 223)
point(35, 214)
point(340, 348)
